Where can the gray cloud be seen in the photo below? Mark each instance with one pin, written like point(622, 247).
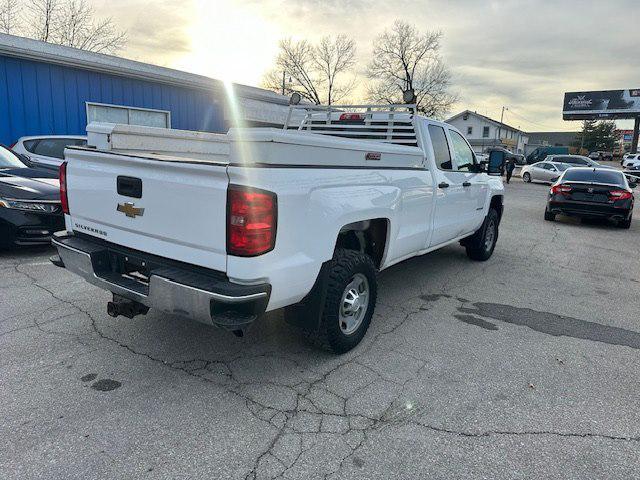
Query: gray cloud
point(519, 53)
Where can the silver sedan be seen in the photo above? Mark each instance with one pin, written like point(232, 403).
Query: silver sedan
point(547, 172)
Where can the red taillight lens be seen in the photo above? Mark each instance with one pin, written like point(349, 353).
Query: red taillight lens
point(620, 195)
point(64, 201)
point(560, 189)
point(251, 221)
point(351, 117)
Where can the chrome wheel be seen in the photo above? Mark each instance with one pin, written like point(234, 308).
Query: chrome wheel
point(354, 304)
point(490, 234)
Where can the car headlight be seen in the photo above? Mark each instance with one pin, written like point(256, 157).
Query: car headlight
point(30, 206)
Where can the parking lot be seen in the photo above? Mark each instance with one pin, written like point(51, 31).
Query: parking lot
point(524, 366)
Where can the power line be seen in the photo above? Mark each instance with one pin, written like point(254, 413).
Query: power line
point(537, 123)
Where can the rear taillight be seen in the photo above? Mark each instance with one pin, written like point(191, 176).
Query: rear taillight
point(560, 189)
point(251, 221)
point(620, 195)
point(64, 201)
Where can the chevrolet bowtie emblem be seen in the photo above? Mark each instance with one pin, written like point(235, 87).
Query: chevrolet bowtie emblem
point(130, 210)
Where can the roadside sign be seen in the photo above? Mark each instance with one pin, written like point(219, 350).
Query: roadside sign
point(610, 104)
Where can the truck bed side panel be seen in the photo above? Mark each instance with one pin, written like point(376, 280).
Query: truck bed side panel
point(313, 205)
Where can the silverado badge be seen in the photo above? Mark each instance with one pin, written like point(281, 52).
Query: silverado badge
point(130, 210)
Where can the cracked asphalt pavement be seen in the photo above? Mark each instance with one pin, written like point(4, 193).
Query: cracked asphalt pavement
point(525, 366)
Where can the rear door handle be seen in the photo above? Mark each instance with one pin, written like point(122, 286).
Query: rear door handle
point(466, 184)
point(443, 185)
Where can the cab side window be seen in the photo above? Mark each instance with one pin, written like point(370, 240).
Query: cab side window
point(465, 159)
point(440, 147)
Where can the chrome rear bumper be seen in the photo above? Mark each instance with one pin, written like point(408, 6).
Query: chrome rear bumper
point(178, 291)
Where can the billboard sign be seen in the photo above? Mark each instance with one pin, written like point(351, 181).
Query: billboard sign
point(602, 104)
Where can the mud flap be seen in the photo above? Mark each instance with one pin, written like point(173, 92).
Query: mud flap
point(308, 312)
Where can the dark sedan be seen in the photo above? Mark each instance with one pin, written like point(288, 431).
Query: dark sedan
point(29, 203)
point(591, 193)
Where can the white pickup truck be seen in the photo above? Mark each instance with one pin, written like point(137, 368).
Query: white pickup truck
point(222, 228)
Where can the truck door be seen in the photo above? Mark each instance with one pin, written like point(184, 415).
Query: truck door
point(451, 200)
point(476, 184)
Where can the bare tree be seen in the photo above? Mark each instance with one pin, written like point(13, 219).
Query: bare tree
point(314, 71)
point(9, 20)
point(43, 19)
point(331, 59)
point(72, 23)
point(405, 59)
point(77, 28)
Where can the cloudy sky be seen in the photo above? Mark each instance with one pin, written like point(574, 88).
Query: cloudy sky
point(522, 54)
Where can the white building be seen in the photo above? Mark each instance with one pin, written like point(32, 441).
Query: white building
point(483, 132)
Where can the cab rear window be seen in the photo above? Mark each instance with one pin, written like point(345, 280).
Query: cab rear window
point(54, 147)
point(594, 176)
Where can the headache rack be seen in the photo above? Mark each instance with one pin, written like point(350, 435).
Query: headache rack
point(379, 123)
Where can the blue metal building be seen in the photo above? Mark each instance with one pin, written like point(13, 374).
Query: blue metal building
point(49, 90)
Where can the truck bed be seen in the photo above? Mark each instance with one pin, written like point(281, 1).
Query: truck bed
point(250, 147)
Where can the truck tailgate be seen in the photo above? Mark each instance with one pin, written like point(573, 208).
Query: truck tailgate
point(180, 212)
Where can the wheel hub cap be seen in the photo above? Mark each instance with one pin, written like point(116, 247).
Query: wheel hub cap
point(354, 304)
point(490, 236)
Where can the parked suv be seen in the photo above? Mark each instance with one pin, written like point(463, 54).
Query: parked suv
point(47, 151)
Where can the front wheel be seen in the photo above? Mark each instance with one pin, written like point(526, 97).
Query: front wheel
point(352, 290)
point(526, 176)
point(481, 244)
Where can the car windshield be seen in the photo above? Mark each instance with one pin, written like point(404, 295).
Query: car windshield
point(594, 176)
point(8, 159)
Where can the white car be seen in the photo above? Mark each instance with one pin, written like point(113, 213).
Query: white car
point(222, 228)
point(631, 160)
point(545, 171)
point(47, 151)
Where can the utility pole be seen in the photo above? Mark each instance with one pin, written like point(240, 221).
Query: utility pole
point(501, 121)
point(284, 77)
point(636, 131)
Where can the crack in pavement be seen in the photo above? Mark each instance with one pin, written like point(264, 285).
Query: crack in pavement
point(490, 433)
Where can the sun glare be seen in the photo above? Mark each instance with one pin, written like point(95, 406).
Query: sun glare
point(230, 42)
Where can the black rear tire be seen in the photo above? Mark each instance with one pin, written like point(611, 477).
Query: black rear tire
point(549, 217)
point(481, 244)
point(526, 176)
point(345, 265)
point(625, 224)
